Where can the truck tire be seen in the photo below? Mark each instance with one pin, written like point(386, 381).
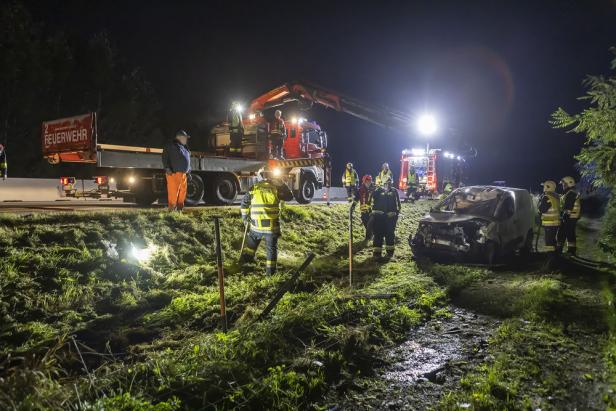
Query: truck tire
point(222, 190)
point(194, 190)
point(305, 194)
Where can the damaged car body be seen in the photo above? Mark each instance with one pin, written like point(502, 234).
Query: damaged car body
point(478, 224)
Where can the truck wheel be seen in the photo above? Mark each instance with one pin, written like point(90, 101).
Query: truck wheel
point(194, 190)
point(222, 190)
point(306, 191)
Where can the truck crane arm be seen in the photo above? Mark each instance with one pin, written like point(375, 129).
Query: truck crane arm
point(309, 94)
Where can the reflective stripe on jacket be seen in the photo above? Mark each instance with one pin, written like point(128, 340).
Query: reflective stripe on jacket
point(571, 204)
point(262, 203)
point(235, 123)
point(350, 178)
point(383, 176)
point(385, 201)
point(278, 127)
point(551, 218)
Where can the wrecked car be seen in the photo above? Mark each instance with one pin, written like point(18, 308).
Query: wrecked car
point(477, 224)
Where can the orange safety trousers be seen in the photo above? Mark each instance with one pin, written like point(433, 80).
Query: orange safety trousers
point(176, 190)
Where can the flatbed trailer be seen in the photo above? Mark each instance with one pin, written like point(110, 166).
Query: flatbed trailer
point(139, 175)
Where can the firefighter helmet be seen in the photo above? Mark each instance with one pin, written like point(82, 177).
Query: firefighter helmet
point(385, 165)
point(349, 165)
point(549, 186)
point(277, 113)
point(567, 182)
point(366, 178)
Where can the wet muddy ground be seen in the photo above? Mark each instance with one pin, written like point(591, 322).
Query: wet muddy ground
point(416, 373)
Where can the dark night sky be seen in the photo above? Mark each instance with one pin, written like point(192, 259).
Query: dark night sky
point(491, 70)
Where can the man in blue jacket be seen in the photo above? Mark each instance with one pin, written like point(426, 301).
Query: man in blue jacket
point(176, 160)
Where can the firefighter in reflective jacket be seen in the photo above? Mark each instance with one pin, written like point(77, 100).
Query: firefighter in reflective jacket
point(261, 209)
point(384, 175)
point(350, 180)
point(236, 130)
point(412, 182)
point(549, 210)
point(570, 210)
point(4, 167)
point(278, 133)
point(365, 194)
point(385, 205)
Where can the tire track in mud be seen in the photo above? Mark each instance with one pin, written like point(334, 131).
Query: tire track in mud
point(416, 373)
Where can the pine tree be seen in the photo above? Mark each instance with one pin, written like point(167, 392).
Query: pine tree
point(597, 159)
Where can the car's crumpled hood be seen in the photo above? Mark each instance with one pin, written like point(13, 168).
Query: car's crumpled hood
point(451, 218)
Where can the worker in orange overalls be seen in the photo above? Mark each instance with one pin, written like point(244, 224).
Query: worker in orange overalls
point(278, 134)
point(176, 160)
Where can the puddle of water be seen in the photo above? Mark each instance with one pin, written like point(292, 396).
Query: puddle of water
point(425, 366)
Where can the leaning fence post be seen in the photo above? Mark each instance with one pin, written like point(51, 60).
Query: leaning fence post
point(351, 245)
point(221, 274)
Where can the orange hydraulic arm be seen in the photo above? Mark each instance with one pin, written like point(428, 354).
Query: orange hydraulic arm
point(309, 94)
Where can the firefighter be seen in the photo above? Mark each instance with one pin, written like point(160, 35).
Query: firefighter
point(549, 210)
point(4, 167)
point(278, 134)
point(236, 130)
point(176, 160)
point(260, 208)
point(385, 204)
point(570, 210)
point(365, 194)
point(447, 189)
point(384, 175)
point(350, 180)
point(412, 183)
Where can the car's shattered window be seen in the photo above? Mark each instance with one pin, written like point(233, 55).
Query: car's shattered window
point(478, 202)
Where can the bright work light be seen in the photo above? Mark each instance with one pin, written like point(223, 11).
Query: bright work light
point(238, 107)
point(143, 255)
point(426, 124)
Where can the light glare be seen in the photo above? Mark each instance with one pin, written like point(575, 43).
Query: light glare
point(426, 124)
point(143, 255)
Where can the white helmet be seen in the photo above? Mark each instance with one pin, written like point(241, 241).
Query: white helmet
point(549, 186)
point(567, 182)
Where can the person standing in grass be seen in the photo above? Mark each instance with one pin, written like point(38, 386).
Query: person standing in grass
point(176, 160)
point(260, 210)
point(385, 203)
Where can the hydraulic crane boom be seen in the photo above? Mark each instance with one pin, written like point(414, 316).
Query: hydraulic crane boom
point(310, 94)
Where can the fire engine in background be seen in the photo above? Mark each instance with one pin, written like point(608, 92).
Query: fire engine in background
point(434, 167)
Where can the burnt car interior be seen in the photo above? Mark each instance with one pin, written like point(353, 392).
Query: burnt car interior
point(489, 203)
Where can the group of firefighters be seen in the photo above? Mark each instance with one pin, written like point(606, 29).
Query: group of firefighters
point(379, 203)
point(559, 215)
point(276, 134)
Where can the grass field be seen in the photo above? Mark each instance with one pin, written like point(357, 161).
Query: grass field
point(85, 325)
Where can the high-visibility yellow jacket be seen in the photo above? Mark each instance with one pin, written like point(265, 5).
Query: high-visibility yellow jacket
point(549, 206)
point(262, 205)
point(383, 176)
point(571, 204)
point(235, 122)
point(412, 179)
point(350, 177)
